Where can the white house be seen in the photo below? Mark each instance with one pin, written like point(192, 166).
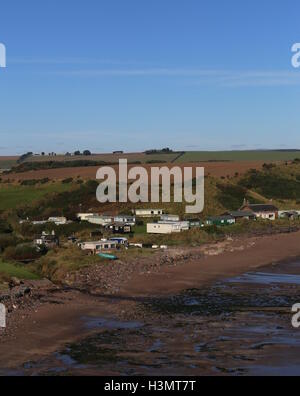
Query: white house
point(149, 212)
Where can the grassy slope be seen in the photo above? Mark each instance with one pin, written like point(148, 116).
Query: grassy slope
point(12, 196)
point(18, 271)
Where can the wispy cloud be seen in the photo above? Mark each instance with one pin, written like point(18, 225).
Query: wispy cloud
point(71, 61)
point(223, 78)
point(114, 68)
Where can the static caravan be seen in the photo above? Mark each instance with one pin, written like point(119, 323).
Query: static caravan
point(149, 212)
point(220, 221)
point(98, 246)
point(183, 225)
point(120, 241)
point(119, 228)
point(100, 220)
point(169, 217)
point(125, 220)
point(196, 223)
point(289, 214)
point(163, 228)
point(85, 216)
point(58, 220)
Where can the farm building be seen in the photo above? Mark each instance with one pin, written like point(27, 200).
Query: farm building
point(220, 221)
point(125, 220)
point(149, 212)
point(241, 215)
point(169, 217)
point(98, 246)
point(48, 240)
point(119, 228)
point(268, 212)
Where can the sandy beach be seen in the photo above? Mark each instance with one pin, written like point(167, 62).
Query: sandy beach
point(53, 322)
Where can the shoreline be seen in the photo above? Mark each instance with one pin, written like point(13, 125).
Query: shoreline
point(52, 324)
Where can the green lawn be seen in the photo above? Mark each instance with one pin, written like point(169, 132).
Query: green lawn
point(194, 156)
point(12, 197)
point(17, 271)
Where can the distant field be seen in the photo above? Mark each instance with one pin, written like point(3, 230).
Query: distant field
point(110, 158)
point(189, 156)
point(13, 196)
point(8, 162)
point(197, 156)
point(216, 169)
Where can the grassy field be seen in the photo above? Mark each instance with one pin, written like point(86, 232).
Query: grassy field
point(18, 271)
point(272, 155)
point(12, 196)
point(8, 162)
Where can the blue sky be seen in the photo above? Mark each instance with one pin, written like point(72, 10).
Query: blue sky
point(135, 74)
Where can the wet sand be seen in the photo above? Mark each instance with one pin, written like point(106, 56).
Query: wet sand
point(242, 256)
point(52, 325)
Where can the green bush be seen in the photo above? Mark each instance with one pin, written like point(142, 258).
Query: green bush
point(22, 253)
point(271, 185)
point(7, 240)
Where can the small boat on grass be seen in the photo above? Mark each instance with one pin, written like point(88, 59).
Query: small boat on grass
point(108, 256)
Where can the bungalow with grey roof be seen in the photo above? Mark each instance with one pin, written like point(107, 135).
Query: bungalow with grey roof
point(262, 211)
